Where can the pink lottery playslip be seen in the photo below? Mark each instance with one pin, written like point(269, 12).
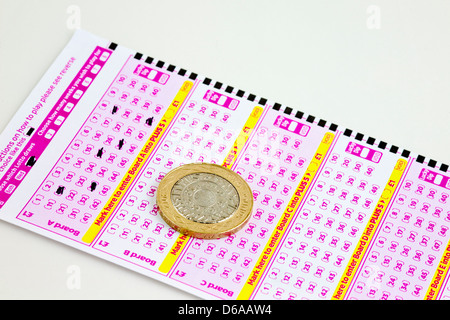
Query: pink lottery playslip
point(337, 214)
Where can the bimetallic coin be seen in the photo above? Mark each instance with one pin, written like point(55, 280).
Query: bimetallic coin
point(204, 200)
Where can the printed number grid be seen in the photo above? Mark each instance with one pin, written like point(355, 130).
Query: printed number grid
point(85, 175)
point(197, 134)
point(409, 244)
point(323, 235)
point(273, 163)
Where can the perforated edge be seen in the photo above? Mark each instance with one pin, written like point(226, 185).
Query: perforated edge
point(358, 136)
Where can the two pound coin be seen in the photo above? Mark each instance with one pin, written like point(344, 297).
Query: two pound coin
point(204, 200)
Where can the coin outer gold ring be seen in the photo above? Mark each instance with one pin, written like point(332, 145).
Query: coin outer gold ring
point(204, 230)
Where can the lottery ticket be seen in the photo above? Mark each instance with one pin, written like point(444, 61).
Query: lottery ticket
point(337, 214)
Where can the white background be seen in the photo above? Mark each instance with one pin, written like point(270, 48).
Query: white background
point(378, 67)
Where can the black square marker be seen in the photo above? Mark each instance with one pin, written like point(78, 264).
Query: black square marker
point(218, 85)
point(229, 89)
point(393, 149)
point(262, 101)
point(359, 136)
point(30, 131)
point(138, 56)
point(193, 76)
point(310, 119)
point(288, 110)
point(348, 132)
point(207, 81)
point(149, 60)
point(370, 141)
point(182, 72)
point(405, 153)
point(31, 161)
point(333, 127)
point(170, 68)
point(160, 64)
point(432, 163)
point(113, 46)
point(276, 106)
point(444, 167)
point(382, 145)
point(299, 114)
point(420, 159)
point(240, 93)
point(251, 97)
point(321, 123)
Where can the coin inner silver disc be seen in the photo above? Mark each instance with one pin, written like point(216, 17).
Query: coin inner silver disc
point(204, 197)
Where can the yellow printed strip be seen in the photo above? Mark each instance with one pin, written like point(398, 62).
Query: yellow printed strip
point(286, 218)
point(439, 275)
point(131, 174)
point(174, 253)
point(182, 239)
point(243, 136)
point(369, 231)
